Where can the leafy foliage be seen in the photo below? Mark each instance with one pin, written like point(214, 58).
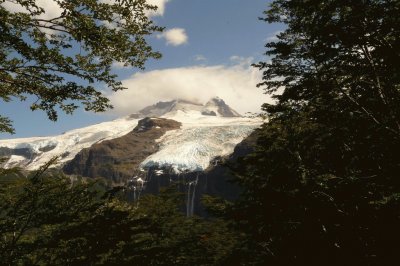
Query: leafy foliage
point(47, 220)
point(59, 59)
point(322, 187)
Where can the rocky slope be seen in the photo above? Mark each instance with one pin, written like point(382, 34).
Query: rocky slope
point(117, 159)
point(216, 180)
point(31, 153)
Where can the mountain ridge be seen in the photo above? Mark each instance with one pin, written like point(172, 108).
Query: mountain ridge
point(214, 107)
point(178, 142)
point(201, 137)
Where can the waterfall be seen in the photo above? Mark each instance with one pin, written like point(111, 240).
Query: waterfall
point(188, 209)
point(137, 183)
point(189, 181)
point(191, 194)
point(194, 194)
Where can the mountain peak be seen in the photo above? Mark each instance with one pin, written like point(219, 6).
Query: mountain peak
point(218, 106)
point(216, 99)
point(214, 107)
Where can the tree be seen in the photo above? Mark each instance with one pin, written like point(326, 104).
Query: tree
point(322, 187)
point(58, 56)
point(349, 50)
point(49, 220)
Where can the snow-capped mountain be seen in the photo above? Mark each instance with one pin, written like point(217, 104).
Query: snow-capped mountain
point(175, 142)
point(205, 131)
point(31, 153)
point(214, 107)
point(217, 106)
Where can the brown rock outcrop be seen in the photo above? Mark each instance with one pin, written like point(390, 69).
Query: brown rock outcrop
point(116, 160)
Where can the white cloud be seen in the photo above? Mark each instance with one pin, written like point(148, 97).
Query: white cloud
point(174, 37)
point(235, 84)
point(241, 61)
point(161, 7)
point(159, 3)
point(52, 9)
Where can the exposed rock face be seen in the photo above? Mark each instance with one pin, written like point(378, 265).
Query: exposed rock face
point(208, 112)
point(119, 158)
point(28, 153)
point(24, 152)
point(215, 181)
point(125, 151)
point(214, 107)
point(245, 147)
point(157, 109)
point(161, 108)
point(218, 106)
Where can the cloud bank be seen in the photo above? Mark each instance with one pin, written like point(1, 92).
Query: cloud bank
point(53, 10)
point(174, 37)
point(236, 84)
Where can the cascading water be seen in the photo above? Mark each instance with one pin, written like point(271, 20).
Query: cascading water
point(142, 182)
point(188, 200)
point(191, 194)
point(137, 183)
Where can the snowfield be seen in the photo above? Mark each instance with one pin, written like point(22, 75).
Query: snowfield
point(67, 145)
point(200, 139)
point(190, 148)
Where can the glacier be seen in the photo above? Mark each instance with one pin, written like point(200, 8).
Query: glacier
point(200, 139)
point(188, 149)
point(65, 146)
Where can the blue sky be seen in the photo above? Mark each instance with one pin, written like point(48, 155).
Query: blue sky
point(223, 37)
